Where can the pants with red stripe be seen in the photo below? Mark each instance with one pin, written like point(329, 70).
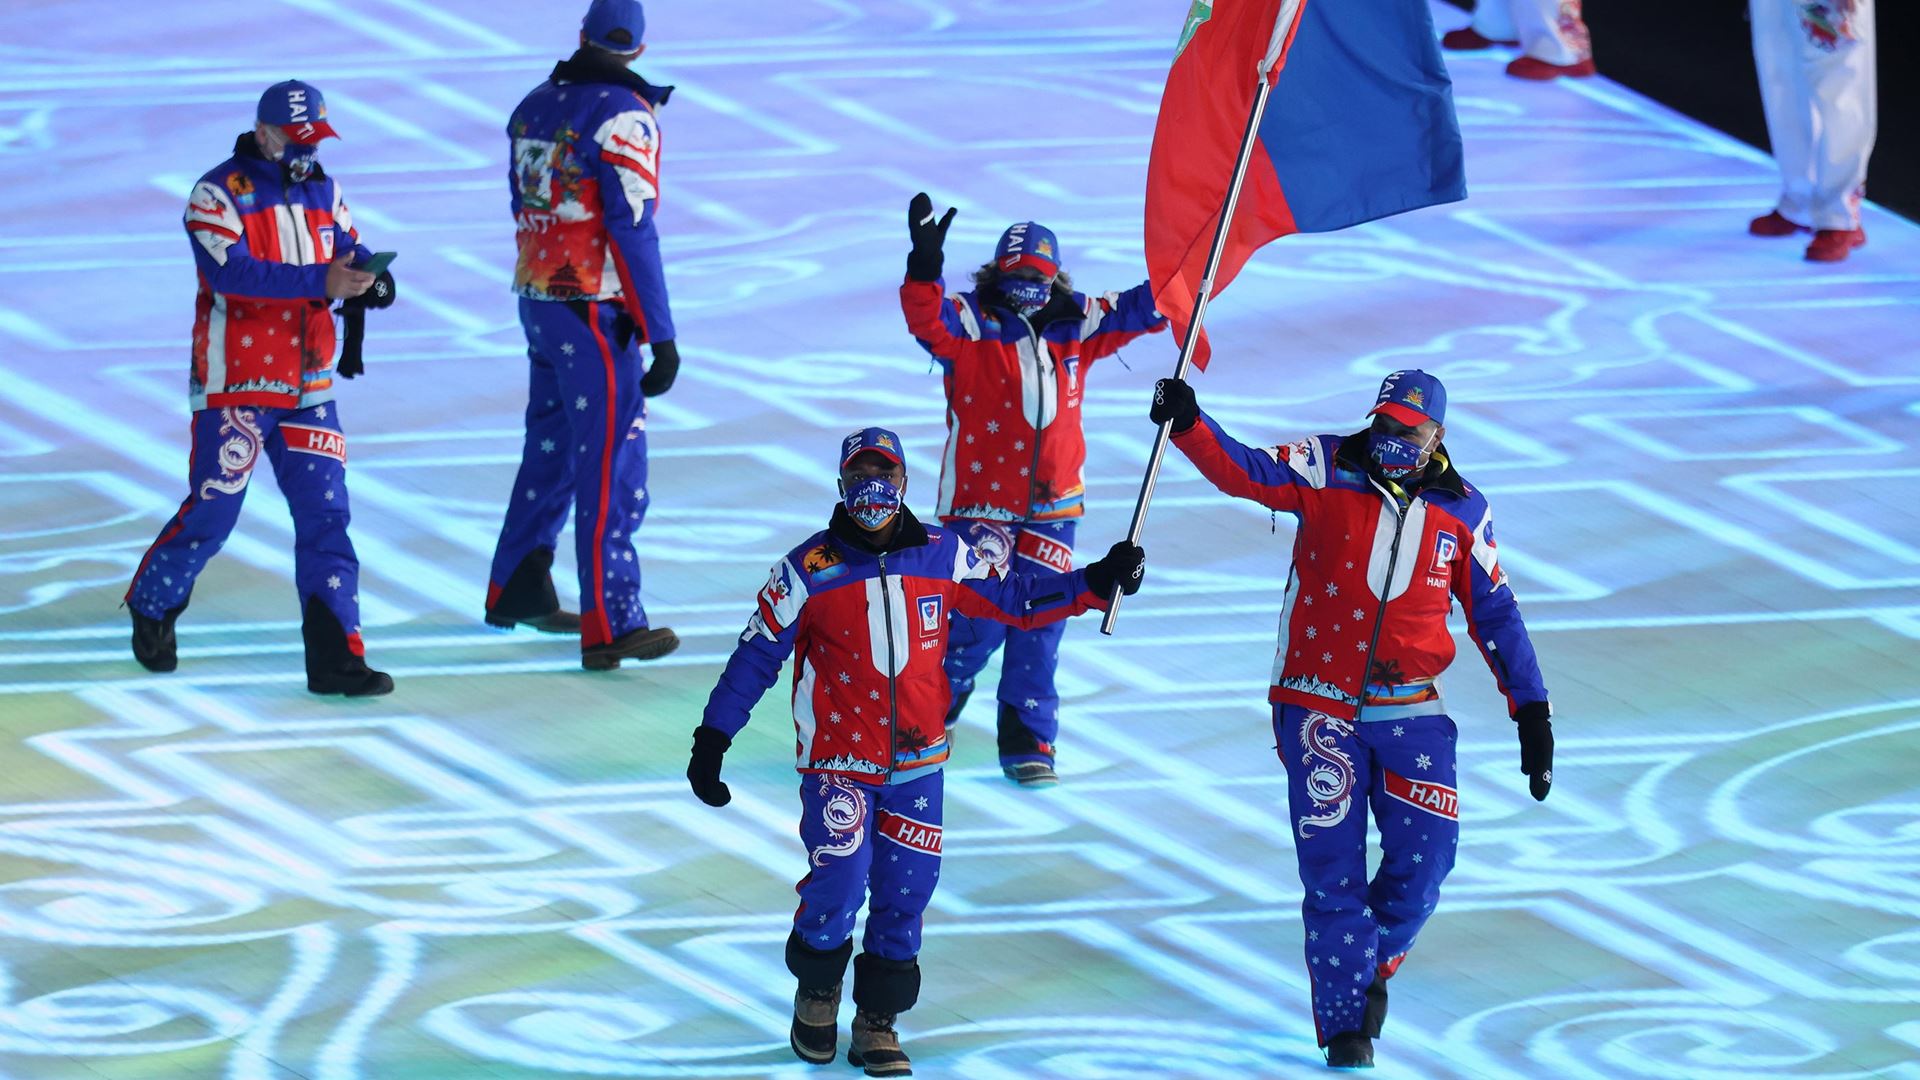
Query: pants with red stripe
point(309, 458)
point(1403, 770)
point(865, 837)
point(586, 448)
point(1033, 656)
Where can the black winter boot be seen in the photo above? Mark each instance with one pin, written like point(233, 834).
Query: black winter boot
point(528, 599)
point(153, 641)
point(1376, 1013)
point(333, 668)
point(1017, 741)
point(816, 1003)
point(1350, 1050)
point(882, 989)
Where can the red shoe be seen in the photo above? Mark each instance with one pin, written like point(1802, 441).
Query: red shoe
point(1774, 224)
point(1528, 68)
point(1467, 38)
point(1834, 245)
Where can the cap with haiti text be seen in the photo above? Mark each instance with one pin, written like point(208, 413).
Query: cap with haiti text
point(877, 439)
point(615, 25)
point(1412, 397)
point(1028, 244)
point(297, 109)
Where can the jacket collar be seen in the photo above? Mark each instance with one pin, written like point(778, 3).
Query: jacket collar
point(909, 533)
point(586, 67)
point(247, 149)
point(1352, 454)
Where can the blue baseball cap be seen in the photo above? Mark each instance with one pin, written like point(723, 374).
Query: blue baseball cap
point(616, 25)
point(1028, 244)
point(1412, 397)
point(297, 109)
point(877, 439)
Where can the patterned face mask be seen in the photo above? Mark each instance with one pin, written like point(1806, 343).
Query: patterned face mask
point(872, 502)
point(1026, 295)
point(298, 159)
point(1398, 458)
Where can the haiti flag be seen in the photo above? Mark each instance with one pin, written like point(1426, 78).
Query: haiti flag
point(1358, 125)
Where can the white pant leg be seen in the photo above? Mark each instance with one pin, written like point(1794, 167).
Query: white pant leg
point(1777, 39)
point(1845, 120)
point(1493, 20)
point(1551, 30)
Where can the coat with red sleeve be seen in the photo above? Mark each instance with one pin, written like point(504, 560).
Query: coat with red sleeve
point(262, 330)
point(1015, 447)
point(1376, 570)
point(868, 633)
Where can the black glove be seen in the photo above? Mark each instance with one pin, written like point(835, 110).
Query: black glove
point(1125, 565)
point(660, 373)
point(381, 294)
point(1536, 746)
point(1173, 401)
point(353, 325)
point(703, 772)
point(926, 259)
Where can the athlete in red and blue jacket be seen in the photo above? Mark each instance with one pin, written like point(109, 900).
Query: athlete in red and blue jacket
point(272, 242)
point(862, 607)
point(585, 189)
point(1389, 537)
point(1014, 354)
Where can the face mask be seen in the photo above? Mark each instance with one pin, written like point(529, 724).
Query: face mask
point(299, 160)
point(1398, 458)
point(1026, 295)
point(872, 502)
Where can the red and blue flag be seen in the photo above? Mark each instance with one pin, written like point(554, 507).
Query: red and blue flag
point(1359, 125)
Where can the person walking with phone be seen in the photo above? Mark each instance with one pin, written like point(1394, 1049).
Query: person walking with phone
point(273, 242)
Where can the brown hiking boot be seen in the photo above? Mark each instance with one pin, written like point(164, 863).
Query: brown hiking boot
point(646, 643)
point(876, 1046)
point(816, 1023)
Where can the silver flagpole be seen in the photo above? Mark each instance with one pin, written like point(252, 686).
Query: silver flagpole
point(1199, 312)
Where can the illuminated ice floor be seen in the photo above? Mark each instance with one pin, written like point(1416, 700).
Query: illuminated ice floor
point(1701, 449)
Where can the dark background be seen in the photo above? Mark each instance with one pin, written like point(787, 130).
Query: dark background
point(1696, 56)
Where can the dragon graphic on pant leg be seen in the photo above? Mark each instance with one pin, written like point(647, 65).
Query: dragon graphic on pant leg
point(1330, 774)
point(239, 448)
point(845, 816)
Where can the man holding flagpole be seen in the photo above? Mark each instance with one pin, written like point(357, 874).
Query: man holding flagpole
point(1348, 118)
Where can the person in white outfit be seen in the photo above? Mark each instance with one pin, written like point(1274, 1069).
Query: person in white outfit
point(1550, 33)
point(1815, 59)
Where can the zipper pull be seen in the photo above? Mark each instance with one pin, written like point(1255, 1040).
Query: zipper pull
point(1273, 521)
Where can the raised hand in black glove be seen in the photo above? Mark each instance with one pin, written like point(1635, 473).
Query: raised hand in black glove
point(1536, 746)
point(1173, 401)
point(703, 772)
point(660, 373)
point(1125, 565)
point(927, 258)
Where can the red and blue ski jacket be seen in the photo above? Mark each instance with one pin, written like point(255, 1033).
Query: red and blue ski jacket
point(868, 633)
point(1376, 569)
point(584, 183)
point(262, 329)
point(1015, 448)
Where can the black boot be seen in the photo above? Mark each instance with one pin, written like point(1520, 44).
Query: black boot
point(1349, 1050)
point(882, 989)
point(816, 1003)
point(646, 643)
point(1376, 1013)
point(1017, 741)
point(333, 668)
point(153, 642)
point(528, 599)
